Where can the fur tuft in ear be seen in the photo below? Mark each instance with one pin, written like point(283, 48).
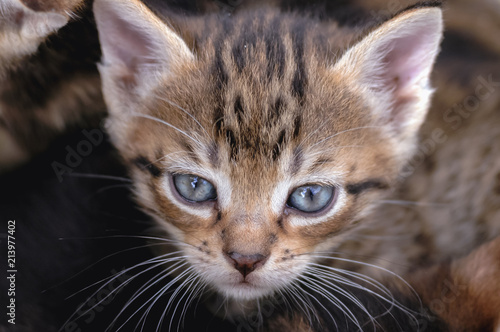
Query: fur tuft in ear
point(392, 65)
point(138, 49)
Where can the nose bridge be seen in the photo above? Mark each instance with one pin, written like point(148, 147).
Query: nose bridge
point(252, 197)
point(247, 233)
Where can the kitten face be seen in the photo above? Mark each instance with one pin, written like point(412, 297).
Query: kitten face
point(252, 215)
point(283, 147)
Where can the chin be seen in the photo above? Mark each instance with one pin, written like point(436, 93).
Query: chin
point(244, 291)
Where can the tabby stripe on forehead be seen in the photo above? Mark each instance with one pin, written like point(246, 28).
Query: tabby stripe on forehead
point(219, 117)
point(275, 50)
point(246, 40)
point(276, 110)
point(299, 79)
point(279, 145)
point(219, 69)
point(220, 79)
point(191, 153)
point(238, 109)
point(297, 123)
point(144, 164)
point(357, 188)
point(233, 144)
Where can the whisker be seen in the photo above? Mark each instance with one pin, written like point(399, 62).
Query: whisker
point(145, 116)
point(103, 189)
point(301, 281)
point(99, 176)
point(191, 280)
point(184, 110)
point(320, 271)
point(311, 134)
point(337, 302)
point(169, 155)
point(154, 298)
point(344, 253)
point(156, 279)
point(368, 265)
point(97, 262)
point(110, 279)
point(195, 294)
point(151, 260)
point(160, 263)
point(163, 291)
point(125, 237)
point(413, 203)
point(356, 275)
point(308, 306)
point(344, 131)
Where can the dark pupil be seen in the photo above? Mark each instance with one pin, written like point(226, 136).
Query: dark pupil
point(310, 192)
point(194, 183)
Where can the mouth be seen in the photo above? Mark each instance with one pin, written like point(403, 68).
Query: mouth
point(246, 290)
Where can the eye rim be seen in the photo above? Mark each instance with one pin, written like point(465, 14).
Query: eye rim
point(328, 206)
point(186, 200)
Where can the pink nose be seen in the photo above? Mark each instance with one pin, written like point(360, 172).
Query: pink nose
point(246, 263)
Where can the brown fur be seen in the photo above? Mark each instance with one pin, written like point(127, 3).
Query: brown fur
point(247, 110)
point(456, 296)
point(465, 292)
point(254, 122)
point(260, 97)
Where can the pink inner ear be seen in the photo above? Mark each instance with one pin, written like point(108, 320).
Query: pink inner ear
point(124, 42)
point(407, 62)
point(405, 68)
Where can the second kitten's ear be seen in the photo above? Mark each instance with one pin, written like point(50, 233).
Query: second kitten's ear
point(23, 29)
point(391, 68)
point(15, 14)
point(138, 50)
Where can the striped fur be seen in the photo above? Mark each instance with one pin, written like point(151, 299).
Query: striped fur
point(259, 103)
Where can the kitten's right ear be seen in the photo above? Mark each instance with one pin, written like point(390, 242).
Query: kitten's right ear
point(139, 50)
point(391, 66)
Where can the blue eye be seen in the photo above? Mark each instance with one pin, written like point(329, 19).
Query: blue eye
point(311, 198)
point(194, 188)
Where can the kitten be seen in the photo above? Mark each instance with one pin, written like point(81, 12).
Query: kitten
point(302, 74)
point(258, 140)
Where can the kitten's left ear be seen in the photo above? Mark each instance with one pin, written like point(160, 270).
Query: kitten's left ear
point(139, 50)
point(392, 65)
